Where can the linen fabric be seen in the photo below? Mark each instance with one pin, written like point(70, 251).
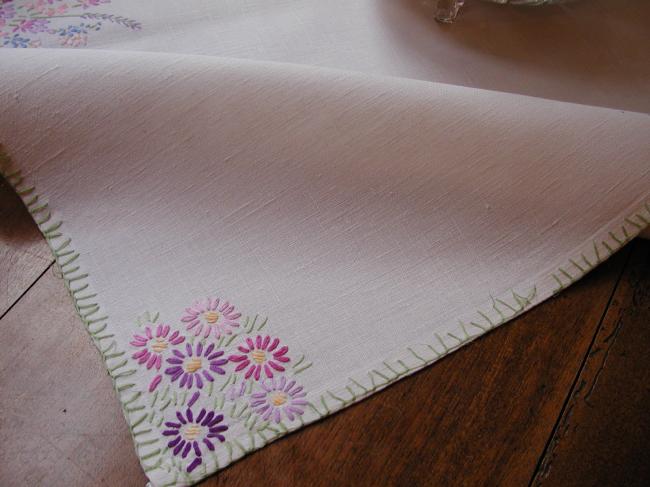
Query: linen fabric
point(269, 219)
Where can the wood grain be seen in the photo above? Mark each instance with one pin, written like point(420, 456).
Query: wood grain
point(24, 255)
point(61, 424)
point(481, 416)
point(603, 436)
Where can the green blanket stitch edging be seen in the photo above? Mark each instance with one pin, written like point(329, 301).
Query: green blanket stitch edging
point(139, 420)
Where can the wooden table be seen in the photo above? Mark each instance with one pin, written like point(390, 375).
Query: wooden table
point(559, 396)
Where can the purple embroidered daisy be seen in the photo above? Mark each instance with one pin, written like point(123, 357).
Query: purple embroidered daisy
point(153, 345)
point(211, 315)
point(279, 398)
point(191, 433)
point(195, 365)
point(263, 354)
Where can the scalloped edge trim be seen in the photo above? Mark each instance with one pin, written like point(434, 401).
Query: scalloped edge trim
point(500, 310)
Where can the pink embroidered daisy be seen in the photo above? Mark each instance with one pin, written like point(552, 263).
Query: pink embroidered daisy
point(211, 315)
point(280, 398)
point(262, 354)
point(153, 344)
point(191, 433)
point(195, 365)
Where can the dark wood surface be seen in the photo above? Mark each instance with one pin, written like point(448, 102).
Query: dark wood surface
point(559, 396)
point(603, 434)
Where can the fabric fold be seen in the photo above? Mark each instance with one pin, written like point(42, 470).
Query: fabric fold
point(254, 246)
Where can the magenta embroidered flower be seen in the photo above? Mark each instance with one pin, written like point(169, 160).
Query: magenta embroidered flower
point(211, 315)
point(280, 398)
point(33, 26)
point(42, 8)
point(152, 346)
point(191, 433)
point(75, 35)
point(262, 354)
point(195, 365)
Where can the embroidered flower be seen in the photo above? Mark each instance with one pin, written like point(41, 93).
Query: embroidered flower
point(191, 433)
point(92, 3)
point(40, 4)
point(279, 398)
point(33, 26)
point(195, 365)
point(48, 18)
point(41, 7)
point(7, 12)
point(75, 35)
point(153, 345)
point(263, 354)
point(211, 315)
point(17, 41)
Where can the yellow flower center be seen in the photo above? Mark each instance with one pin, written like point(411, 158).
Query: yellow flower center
point(211, 317)
point(278, 398)
point(159, 345)
point(193, 364)
point(258, 356)
point(191, 432)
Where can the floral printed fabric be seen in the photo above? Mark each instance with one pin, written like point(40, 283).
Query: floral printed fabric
point(208, 372)
point(66, 23)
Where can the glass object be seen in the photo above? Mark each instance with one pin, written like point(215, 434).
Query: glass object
point(447, 10)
